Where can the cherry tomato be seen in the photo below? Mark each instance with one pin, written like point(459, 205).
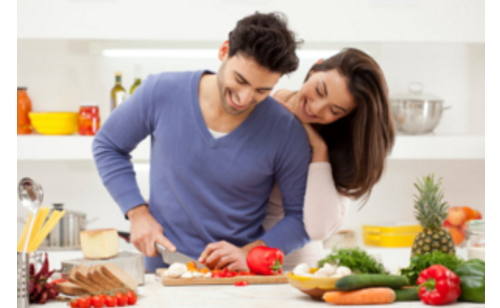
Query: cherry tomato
point(97, 301)
point(74, 304)
point(110, 301)
point(244, 273)
point(84, 302)
point(121, 300)
point(131, 298)
point(230, 273)
point(241, 283)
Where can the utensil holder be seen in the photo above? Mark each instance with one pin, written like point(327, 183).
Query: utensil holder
point(23, 297)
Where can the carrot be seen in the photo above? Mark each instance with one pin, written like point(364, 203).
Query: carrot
point(361, 297)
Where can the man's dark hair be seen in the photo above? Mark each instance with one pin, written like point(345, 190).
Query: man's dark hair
point(267, 39)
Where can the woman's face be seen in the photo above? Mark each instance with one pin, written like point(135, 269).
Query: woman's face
point(324, 98)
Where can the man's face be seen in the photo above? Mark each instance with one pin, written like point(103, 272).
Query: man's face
point(243, 84)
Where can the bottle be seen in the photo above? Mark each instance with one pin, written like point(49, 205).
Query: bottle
point(118, 93)
point(88, 119)
point(23, 109)
point(137, 80)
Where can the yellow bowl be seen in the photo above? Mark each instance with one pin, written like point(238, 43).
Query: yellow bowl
point(390, 235)
point(315, 287)
point(54, 123)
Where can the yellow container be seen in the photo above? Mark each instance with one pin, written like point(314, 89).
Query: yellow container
point(390, 235)
point(54, 123)
point(312, 286)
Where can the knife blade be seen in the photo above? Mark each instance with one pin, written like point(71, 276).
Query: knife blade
point(170, 257)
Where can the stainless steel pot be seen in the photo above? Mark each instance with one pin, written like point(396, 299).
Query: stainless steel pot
point(66, 234)
point(416, 112)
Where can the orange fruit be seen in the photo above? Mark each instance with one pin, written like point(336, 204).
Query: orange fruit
point(471, 213)
point(457, 234)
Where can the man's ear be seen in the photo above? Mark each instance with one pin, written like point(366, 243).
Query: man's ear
point(224, 51)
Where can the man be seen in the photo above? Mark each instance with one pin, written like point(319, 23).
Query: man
point(210, 192)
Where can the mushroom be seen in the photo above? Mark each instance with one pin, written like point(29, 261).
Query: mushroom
point(301, 269)
point(187, 274)
point(343, 271)
point(175, 270)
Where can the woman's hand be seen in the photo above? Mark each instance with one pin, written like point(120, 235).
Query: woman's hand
point(317, 143)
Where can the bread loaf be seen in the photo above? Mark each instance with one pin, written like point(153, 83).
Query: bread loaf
point(99, 243)
point(70, 288)
point(87, 287)
point(118, 276)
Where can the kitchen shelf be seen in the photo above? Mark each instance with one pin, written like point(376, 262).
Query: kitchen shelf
point(439, 147)
point(39, 147)
point(74, 147)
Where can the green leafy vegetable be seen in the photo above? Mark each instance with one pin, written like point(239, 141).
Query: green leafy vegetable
point(359, 261)
point(419, 262)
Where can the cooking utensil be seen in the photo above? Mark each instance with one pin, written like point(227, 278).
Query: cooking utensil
point(170, 257)
point(23, 295)
point(416, 112)
point(31, 196)
point(130, 262)
point(66, 234)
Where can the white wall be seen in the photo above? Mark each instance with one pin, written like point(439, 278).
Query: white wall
point(61, 74)
point(195, 20)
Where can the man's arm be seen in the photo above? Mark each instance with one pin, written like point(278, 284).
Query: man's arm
point(291, 170)
point(126, 126)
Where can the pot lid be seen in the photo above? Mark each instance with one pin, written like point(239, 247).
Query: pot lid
point(60, 207)
point(416, 94)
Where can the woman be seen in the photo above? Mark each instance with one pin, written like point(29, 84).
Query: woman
point(345, 110)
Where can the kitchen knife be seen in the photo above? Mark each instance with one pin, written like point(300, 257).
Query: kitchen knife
point(171, 257)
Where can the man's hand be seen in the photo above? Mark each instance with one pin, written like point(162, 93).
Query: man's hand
point(145, 231)
point(223, 254)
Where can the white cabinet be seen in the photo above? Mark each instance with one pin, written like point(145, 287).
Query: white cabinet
point(211, 20)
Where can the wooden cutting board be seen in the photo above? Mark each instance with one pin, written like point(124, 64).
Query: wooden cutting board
point(257, 279)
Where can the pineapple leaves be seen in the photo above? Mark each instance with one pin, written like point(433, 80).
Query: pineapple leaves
point(430, 209)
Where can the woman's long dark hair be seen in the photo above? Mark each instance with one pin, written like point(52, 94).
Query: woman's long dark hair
point(359, 143)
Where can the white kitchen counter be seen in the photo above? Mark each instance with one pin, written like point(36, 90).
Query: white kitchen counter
point(154, 295)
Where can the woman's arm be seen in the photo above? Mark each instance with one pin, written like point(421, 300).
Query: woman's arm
point(325, 209)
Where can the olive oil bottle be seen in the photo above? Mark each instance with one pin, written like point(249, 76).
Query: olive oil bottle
point(118, 93)
point(137, 79)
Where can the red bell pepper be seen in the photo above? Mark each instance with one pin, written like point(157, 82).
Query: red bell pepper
point(438, 285)
point(265, 260)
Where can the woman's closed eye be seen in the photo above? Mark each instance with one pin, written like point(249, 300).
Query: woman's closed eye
point(334, 112)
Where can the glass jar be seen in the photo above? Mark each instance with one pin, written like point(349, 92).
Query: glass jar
point(23, 109)
point(88, 119)
point(475, 240)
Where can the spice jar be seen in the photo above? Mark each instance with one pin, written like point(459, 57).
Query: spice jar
point(88, 119)
point(23, 108)
point(475, 239)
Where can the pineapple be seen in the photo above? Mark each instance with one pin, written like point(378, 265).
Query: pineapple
point(431, 211)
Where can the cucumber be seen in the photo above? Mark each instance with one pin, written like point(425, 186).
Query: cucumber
point(407, 294)
point(360, 281)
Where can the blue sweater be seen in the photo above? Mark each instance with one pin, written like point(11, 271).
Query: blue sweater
point(204, 190)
